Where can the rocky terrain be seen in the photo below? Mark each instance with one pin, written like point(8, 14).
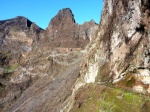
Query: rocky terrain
point(78, 68)
point(32, 65)
point(116, 62)
point(65, 32)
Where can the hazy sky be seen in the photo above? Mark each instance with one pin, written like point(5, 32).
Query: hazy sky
point(42, 11)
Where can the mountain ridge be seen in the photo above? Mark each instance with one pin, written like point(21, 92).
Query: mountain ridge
point(30, 56)
point(80, 68)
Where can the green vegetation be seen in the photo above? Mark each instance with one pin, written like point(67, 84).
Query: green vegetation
point(6, 71)
point(11, 68)
point(98, 98)
point(129, 83)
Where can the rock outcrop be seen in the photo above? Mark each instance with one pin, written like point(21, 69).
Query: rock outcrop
point(124, 41)
point(65, 32)
point(115, 64)
point(118, 57)
point(17, 36)
point(37, 73)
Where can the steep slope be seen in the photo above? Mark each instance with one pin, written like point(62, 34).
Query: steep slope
point(35, 73)
point(64, 32)
point(124, 41)
point(47, 94)
point(118, 57)
point(17, 37)
point(116, 61)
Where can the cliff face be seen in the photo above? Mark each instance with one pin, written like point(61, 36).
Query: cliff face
point(117, 58)
point(17, 36)
point(125, 43)
point(115, 64)
point(64, 32)
point(121, 47)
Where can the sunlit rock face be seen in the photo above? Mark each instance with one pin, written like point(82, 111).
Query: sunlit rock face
point(17, 36)
point(63, 31)
point(118, 56)
point(123, 39)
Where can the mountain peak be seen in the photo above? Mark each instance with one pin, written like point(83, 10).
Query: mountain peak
point(20, 17)
point(63, 19)
point(65, 12)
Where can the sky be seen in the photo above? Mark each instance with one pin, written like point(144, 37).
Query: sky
point(42, 11)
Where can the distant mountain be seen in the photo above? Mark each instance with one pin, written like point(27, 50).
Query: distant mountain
point(20, 23)
point(17, 36)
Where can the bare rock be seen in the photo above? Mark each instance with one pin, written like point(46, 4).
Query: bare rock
point(121, 47)
point(64, 32)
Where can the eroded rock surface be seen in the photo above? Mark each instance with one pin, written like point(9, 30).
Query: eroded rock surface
point(65, 32)
point(116, 62)
point(17, 36)
point(123, 39)
point(117, 57)
point(36, 72)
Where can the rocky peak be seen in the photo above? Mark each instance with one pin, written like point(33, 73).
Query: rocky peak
point(17, 36)
point(63, 19)
point(119, 57)
point(70, 34)
point(66, 13)
point(116, 62)
point(18, 23)
point(89, 23)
